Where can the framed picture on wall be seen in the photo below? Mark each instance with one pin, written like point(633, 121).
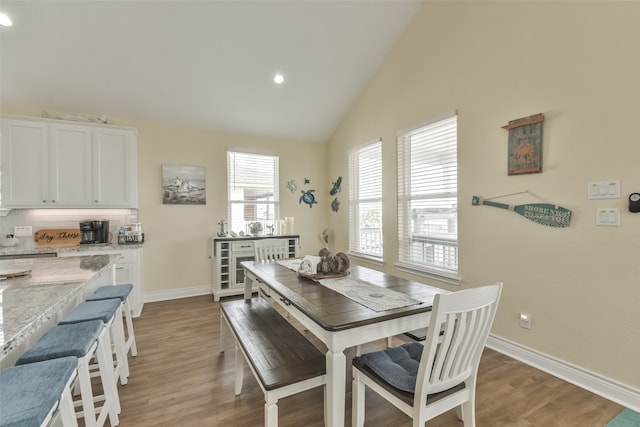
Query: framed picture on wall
point(184, 185)
point(525, 145)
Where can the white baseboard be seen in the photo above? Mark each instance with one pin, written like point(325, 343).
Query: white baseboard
point(610, 389)
point(177, 293)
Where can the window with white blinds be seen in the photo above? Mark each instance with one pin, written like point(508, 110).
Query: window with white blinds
point(253, 190)
point(428, 199)
point(365, 200)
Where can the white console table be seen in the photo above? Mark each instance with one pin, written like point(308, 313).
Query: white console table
point(227, 254)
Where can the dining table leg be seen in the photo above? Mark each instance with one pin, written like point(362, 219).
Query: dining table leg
point(336, 384)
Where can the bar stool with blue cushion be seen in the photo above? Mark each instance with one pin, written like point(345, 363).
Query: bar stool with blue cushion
point(84, 341)
point(110, 312)
point(122, 292)
point(32, 394)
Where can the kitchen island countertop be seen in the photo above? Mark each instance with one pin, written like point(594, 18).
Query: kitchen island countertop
point(21, 250)
point(32, 301)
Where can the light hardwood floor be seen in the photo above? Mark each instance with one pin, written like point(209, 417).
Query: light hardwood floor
point(181, 378)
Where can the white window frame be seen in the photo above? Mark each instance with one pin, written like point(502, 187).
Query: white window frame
point(428, 199)
point(259, 173)
point(365, 189)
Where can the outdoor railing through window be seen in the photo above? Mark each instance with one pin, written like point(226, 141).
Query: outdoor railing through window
point(439, 251)
point(370, 241)
point(435, 250)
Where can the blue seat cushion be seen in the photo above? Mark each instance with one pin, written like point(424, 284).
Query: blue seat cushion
point(107, 292)
point(93, 310)
point(398, 366)
point(64, 340)
point(30, 392)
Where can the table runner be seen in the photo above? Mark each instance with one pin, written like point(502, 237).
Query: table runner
point(369, 295)
point(291, 263)
point(374, 297)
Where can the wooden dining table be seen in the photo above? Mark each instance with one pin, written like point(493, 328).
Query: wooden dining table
point(337, 320)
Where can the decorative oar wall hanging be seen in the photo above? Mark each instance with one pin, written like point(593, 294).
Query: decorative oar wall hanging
point(542, 213)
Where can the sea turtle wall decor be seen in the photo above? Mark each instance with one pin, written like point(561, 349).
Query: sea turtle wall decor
point(336, 186)
point(335, 205)
point(308, 198)
point(291, 185)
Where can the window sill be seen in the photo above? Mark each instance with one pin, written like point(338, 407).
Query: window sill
point(431, 273)
point(368, 258)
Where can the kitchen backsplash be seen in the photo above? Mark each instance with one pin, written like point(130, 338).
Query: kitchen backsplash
point(63, 218)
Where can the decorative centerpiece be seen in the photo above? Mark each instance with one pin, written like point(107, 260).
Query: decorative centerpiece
point(327, 267)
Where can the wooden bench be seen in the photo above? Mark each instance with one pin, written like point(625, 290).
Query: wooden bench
point(283, 361)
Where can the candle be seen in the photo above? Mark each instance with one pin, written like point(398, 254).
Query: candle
point(289, 225)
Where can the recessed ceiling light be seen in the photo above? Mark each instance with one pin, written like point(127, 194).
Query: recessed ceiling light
point(5, 21)
point(279, 79)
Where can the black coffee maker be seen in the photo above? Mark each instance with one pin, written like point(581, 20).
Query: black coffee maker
point(94, 232)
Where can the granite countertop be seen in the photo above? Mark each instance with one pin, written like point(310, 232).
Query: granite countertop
point(30, 301)
point(20, 250)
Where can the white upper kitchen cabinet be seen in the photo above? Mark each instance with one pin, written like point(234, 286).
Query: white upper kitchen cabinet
point(70, 165)
point(59, 164)
point(25, 163)
point(115, 168)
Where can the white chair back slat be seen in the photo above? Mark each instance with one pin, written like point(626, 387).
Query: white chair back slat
point(271, 249)
point(466, 317)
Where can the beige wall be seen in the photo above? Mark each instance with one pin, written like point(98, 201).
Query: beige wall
point(577, 63)
point(177, 247)
point(177, 237)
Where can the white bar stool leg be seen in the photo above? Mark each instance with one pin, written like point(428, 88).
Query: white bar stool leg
point(131, 338)
point(111, 397)
point(117, 335)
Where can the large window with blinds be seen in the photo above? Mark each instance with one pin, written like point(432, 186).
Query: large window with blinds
point(428, 198)
point(253, 190)
point(365, 200)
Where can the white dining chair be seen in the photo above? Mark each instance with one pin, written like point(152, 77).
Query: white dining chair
point(426, 381)
point(270, 249)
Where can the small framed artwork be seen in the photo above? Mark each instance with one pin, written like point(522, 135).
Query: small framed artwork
point(184, 185)
point(525, 145)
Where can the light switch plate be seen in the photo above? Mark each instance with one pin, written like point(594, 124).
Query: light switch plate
point(604, 189)
point(608, 216)
point(525, 321)
point(22, 231)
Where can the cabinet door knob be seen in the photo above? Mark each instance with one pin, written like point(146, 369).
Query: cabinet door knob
point(53, 201)
point(95, 201)
point(44, 201)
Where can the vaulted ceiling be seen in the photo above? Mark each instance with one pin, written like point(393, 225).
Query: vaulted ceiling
point(201, 63)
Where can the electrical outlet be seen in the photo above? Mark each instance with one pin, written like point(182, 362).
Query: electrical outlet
point(525, 321)
point(22, 230)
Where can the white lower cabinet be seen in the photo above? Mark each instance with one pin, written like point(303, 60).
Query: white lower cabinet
point(128, 270)
point(228, 254)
